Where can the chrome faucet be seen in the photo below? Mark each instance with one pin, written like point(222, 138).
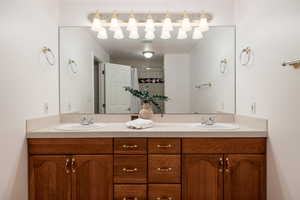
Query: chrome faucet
point(211, 120)
point(86, 121)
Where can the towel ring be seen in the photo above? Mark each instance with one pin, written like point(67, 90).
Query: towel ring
point(73, 66)
point(248, 53)
point(49, 55)
point(223, 65)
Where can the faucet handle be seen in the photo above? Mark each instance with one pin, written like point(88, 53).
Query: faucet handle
point(212, 118)
point(91, 120)
point(84, 120)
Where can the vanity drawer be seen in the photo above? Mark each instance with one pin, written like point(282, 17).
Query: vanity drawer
point(161, 146)
point(164, 192)
point(224, 145)
point(164, 168)
point(70, 146)
point(130, 192)
point(130, 169)
point(130, 146)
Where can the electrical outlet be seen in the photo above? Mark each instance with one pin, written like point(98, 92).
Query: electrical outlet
point(253, 108)
point(46, 108)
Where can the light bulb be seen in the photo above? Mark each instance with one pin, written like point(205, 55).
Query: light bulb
point(186, 23)
point(97, 24)
point(150, 24)
point(165, 35)
point(167, 24)
point(102, 34)
point(150, 35)
point(148, 54)
point(197, 34)
point(114, 23)
point(181, 34)
point(118, 34)
point(203, 24)
point(134, 34)
point(132, 23)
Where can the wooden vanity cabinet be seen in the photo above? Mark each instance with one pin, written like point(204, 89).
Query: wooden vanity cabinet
point(58, 172)
point(202, 177)
point(226, 169)
point(48, 178)
point(153, 169)
point(245, 177)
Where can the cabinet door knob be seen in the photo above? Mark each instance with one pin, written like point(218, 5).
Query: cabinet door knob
point(67, 166)
point(126, 170)
point(73, 165)
point(164, 169)
point(221, 164)
point(164, 146)
point(227, 165)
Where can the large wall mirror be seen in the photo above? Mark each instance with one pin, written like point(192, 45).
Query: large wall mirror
point(198, 76)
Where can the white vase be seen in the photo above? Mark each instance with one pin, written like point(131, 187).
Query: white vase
point(146, 112)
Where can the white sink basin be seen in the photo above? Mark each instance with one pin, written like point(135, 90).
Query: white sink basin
point(217, 126)
point(79, 127)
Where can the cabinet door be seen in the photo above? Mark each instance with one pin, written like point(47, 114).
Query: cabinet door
point(202, 177)
point(245, 177)
point(92, 177)
point(49, 178)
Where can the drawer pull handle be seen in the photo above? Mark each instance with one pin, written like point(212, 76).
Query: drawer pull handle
point(164, 169)
point(164, 146)
point(130, 198)
point(130, 170)
point(125, 146)
point(164, 198)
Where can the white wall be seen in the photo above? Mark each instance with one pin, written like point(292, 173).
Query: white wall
point(26, 83)
point(75, 12)
point(177, 83)
point(271, 28)
point(217, 44)
point(77, 90)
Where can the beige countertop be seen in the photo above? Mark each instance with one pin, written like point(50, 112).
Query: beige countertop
point(119, 130)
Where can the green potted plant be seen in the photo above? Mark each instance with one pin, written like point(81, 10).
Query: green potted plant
point(147, 99)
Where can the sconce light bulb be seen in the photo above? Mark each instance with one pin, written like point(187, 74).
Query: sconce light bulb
point(181, 34)
point(132, 23)
point(203, 24)
point(167, 24)
point(97, 23)
point(165, 35)
point(197, 34)
point(102, 34)
point(134, 35)
point(118, 34)
point(114, 23)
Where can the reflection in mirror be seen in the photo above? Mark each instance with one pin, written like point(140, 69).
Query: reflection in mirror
point(198, 76)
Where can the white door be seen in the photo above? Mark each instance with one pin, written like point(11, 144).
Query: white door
point(117, 100)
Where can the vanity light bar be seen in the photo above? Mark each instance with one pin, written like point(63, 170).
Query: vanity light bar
point(196, 22)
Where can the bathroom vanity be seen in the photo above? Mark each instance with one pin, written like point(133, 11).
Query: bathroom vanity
point(147, 164)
